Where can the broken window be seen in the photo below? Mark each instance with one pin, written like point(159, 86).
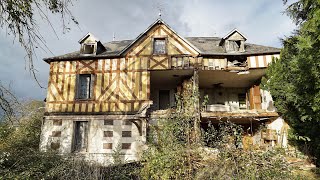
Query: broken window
point(159, 46)
point(80, 142)
point(84, 89)
point(88, 48)
point(234, 45)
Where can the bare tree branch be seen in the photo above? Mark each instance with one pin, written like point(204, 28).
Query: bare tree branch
point(17, 17)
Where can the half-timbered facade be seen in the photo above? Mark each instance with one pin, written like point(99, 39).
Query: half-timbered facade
point(102, 97)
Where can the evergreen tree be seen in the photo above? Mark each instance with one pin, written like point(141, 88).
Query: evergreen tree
point(294, 79)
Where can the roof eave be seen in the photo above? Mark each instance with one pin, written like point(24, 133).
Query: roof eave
point(48, 60)
point(239, 54)
point(231, 32)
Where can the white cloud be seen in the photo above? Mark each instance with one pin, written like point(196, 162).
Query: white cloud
point(261, 21)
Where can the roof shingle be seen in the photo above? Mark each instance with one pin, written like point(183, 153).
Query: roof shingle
point(207, 46)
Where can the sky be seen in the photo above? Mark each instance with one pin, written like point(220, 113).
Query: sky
point(261, 21)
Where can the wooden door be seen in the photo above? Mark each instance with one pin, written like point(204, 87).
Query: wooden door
point(164, 99)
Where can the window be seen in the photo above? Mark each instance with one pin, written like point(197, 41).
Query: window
point(242, 101)
point(80, 136)
point(159, 46)
point(57, 122)
point(234, 45)
point(108, 134)
point(107, 145)
point(126, 133)
point(126, 146)
point(88, 48)
point(84, 87)
point(108, 122)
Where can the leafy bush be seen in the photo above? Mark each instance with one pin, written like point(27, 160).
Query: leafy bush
point(20, 157)
point(239, 164)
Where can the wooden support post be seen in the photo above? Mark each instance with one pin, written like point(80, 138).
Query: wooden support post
point(197, 131)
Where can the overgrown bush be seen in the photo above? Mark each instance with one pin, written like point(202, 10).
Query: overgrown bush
point(239, 164)
point(20, 157)
point(175, 153)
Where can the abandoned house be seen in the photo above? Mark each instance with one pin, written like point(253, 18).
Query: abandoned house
point(103, 97)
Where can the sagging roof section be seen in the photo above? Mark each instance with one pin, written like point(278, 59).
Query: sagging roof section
point(202, 45)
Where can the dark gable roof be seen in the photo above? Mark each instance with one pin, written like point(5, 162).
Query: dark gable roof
point(207, 46)
point(210, 46)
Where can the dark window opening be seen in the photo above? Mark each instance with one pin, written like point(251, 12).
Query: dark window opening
point(159, 46)
point(126, 134)
point(164, 99)
point(57, 122)
point(234, 45)
point(88, 49)
point(108, 122)
point(242, 101)
point(126, 146)
point(108, 134)
point(84, 86)
point(80, 142)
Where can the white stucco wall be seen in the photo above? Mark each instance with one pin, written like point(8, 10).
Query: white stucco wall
point(95, 149)
point(226, 96)
point(281, 128)
point(267, 102)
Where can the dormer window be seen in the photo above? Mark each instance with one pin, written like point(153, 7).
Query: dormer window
point(90, 45)
point(159, 46)
point(234, 45)
point(88, 48)
point(234, 42)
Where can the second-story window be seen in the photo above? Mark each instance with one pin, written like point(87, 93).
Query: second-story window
point(159, 46)
point(84, 87)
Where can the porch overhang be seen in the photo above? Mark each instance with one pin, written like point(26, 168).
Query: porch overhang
point(247, 116)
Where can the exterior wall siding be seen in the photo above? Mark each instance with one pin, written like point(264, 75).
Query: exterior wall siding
point(119, 85)
point(120, 91)
point(97, 145)
point(261, 61)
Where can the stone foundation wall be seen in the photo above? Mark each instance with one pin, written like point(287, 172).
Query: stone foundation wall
point(105, 135)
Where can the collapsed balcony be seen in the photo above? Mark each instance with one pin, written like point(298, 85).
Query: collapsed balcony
point(234, 95)
point(223, 94)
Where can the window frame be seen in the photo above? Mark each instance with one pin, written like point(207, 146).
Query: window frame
point(74, 148)
point(91, 87)
point(165, 44)
point(88, 44)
